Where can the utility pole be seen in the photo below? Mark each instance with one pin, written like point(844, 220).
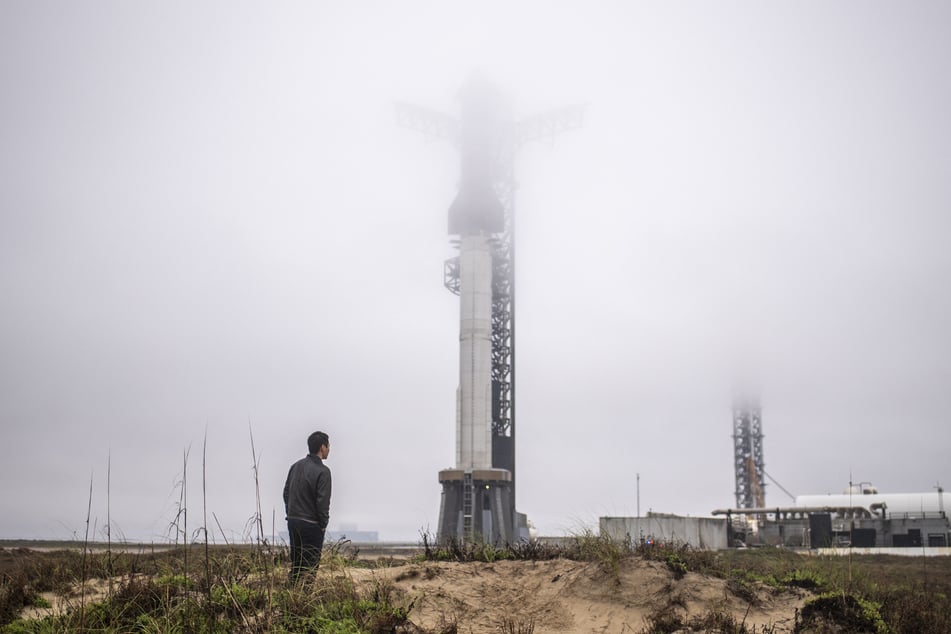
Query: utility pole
point(638, 496)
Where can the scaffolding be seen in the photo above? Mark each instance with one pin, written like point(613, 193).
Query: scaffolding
point(748, 454)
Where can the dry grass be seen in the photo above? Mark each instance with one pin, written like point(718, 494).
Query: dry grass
point(244, 589)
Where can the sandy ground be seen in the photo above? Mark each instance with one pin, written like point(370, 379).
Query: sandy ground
point(569, 596)
point(96, 590)
point(545, 596)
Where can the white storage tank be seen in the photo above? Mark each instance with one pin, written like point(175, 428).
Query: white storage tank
point(894, 504)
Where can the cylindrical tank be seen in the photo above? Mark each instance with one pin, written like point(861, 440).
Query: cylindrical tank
point(474, 396)
point(894, 503)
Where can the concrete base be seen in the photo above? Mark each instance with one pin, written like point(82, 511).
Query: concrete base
point(476, 505)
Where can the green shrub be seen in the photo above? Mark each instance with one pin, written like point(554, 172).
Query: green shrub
point(806, 579)
point(842, 610)
point(676, 564)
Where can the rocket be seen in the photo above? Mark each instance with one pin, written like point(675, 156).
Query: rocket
point(478, 495)
point(475, 215)
point(474, 394)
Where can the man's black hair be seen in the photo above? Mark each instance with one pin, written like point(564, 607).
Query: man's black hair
point(317, 440)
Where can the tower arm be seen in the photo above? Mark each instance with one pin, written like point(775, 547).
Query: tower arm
point(545, 125)
point(432, 124)
point(781, 487)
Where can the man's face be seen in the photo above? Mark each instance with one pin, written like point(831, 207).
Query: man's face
point(324, 451)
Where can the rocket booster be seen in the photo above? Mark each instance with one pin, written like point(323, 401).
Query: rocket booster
point(475, 215)
point(474, 394)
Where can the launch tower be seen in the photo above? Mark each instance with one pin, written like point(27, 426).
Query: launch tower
point(478, 494)
point(748, 453)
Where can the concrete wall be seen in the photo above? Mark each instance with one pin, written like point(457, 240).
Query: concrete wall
point(904, 552)
point(697, 532)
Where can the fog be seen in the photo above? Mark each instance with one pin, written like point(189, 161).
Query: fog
point(212, 225)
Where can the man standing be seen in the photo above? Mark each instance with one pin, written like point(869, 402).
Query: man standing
point(307, 505)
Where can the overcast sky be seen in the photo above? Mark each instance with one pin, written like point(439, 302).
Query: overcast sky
point(210, 220)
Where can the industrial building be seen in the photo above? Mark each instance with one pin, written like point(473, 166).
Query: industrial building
point(858, 518)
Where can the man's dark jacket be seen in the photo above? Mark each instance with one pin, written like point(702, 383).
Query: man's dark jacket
point(307, 491)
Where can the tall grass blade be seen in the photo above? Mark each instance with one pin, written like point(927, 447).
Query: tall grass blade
point(82, 600)
point(204, 508)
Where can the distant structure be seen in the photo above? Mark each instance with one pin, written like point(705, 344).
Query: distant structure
point(859, 517)
point(478, 494)
point(352, 533)
point(748, 462)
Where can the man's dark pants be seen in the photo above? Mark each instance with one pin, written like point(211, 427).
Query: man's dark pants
point(307, 540)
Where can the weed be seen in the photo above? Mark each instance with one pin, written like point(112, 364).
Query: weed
point(512, 625)
point(806, 579)
point(339, 555)
point(716, 621)
point(665, 619)
point(676, 564)
point(742, 588)
point(837, 609)
point(454, 549)
point(534, 550)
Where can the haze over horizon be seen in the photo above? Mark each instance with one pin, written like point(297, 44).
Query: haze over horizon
point(210, 222)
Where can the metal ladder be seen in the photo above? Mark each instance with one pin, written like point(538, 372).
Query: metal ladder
point(467, 506)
